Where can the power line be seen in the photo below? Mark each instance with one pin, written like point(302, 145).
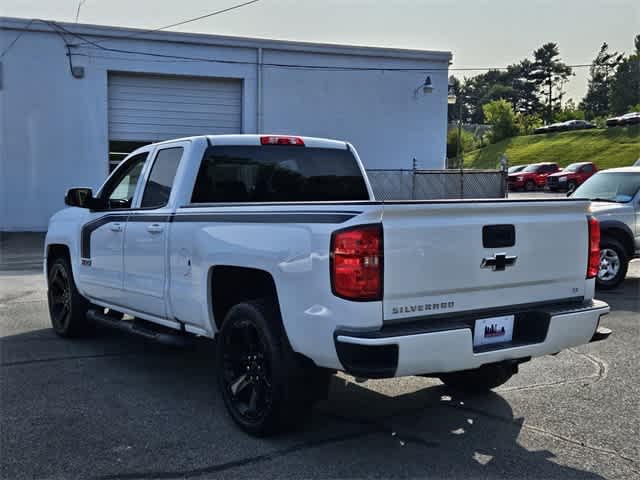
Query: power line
point(13, 42)
point(80, 4)
point(183, 22)
point(171, 58)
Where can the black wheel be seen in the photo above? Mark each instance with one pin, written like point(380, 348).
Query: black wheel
point(261, 379)
point(529, 186)
point(67, 308)
point(571, 186)
point(479, 380)
point(614, 263)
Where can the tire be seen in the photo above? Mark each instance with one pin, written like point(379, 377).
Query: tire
point(479, 380)
point(529, 186)
point(67, 308)
point(614, 263)
point(263, 383)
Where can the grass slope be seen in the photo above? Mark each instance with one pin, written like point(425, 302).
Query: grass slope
point(613, 147)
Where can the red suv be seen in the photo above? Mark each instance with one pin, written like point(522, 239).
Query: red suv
point(571, 177)
point(532, 177)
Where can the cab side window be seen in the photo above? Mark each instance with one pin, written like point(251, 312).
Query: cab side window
point(163, 172)
point(120, 188)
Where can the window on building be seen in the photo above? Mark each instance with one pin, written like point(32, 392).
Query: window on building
point(163, 172)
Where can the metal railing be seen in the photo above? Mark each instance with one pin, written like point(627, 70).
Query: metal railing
point(437, 184)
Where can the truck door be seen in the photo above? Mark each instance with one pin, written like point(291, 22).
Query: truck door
point(102, 236)
point(145, 239)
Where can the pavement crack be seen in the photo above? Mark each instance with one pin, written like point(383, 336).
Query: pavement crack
point(598, 362)
point(537, 429)
point(600, 375)
point(72, 357)
point(221, 467)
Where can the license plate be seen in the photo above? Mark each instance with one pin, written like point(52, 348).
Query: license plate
point(493, 330)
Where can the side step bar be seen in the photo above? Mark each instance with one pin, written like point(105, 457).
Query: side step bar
point(601, 333)
point(148, 330)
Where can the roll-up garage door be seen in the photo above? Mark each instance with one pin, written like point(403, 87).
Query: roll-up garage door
point(149, 108)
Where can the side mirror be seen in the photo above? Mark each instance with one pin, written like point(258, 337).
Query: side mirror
point(79, 197)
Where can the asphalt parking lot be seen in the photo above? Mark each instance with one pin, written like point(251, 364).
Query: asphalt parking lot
point(113, 406)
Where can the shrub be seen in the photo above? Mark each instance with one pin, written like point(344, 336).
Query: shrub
point(499, 114)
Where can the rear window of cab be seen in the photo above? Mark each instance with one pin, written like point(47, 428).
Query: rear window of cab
point(278, 173)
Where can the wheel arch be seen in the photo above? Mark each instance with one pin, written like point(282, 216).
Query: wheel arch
point(55, 251)
point(618, 231)
point(229, 285)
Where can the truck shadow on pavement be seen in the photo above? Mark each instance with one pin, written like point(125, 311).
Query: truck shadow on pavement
point(114, 406)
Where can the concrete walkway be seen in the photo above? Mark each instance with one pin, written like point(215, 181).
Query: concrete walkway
point(21, 250)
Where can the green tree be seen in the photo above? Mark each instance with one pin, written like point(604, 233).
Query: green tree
point(601, 73)
point(467, 142)
point(625, 87)
point(499, 114)
point(526, 124)
point(549, 74)
point(569, 112)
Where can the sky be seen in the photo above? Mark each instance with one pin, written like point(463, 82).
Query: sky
point(479, 33)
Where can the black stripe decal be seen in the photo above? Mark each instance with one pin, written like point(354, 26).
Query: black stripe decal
point(228, 217)
point(89, 228)
point(267, 217)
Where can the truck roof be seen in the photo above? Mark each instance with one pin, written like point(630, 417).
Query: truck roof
point(254, 139)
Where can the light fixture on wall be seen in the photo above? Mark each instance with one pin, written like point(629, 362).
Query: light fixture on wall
point(426, 87)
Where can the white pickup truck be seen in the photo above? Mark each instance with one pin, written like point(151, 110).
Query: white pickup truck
point(276, 246)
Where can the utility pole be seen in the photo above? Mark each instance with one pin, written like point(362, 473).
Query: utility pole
point(459, 148)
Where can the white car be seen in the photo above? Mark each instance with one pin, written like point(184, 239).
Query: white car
point(277, 246)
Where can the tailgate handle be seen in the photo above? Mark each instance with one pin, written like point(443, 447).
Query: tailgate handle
point(498, 236)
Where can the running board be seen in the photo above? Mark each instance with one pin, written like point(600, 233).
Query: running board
point(601, 333)
point(148, 330)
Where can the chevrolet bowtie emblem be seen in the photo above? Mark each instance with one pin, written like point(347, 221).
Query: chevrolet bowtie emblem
point(498, 262)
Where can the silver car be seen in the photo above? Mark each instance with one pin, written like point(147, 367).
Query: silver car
point(615, 197)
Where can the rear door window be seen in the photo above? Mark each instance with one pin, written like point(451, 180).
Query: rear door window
point(163, 172)
point(278, 173)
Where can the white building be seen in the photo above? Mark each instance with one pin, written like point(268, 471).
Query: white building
point(73, 97)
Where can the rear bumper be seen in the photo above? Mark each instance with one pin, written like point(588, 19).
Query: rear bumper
point(427, 347)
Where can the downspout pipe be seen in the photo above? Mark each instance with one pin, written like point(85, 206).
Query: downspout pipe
point(260, 123)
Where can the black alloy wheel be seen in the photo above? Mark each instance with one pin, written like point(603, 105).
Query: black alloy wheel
point(265, 385)
point(59, 295)
point(67, 308)
point(247, 371)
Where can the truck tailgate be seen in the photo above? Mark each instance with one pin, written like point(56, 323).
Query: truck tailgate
point(446, 257)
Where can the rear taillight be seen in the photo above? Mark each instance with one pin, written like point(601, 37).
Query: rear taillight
point(281, 140)
point(356, 263)
point(594, 247)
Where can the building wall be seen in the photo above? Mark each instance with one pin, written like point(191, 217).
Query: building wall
point(378, 111)
point(54, 128)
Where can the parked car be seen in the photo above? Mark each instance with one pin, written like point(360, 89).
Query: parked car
point(543, 129)
point(277, 246)
point(516, 168)
point(532, 177)
point(632, 118)
point(555, 127)
point(577, 125)
point(571, 176)
point(615, 196)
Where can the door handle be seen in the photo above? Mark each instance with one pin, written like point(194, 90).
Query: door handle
point(116, 227)
point(154, 228)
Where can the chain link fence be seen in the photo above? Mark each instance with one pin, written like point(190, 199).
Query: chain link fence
point(436, 184)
